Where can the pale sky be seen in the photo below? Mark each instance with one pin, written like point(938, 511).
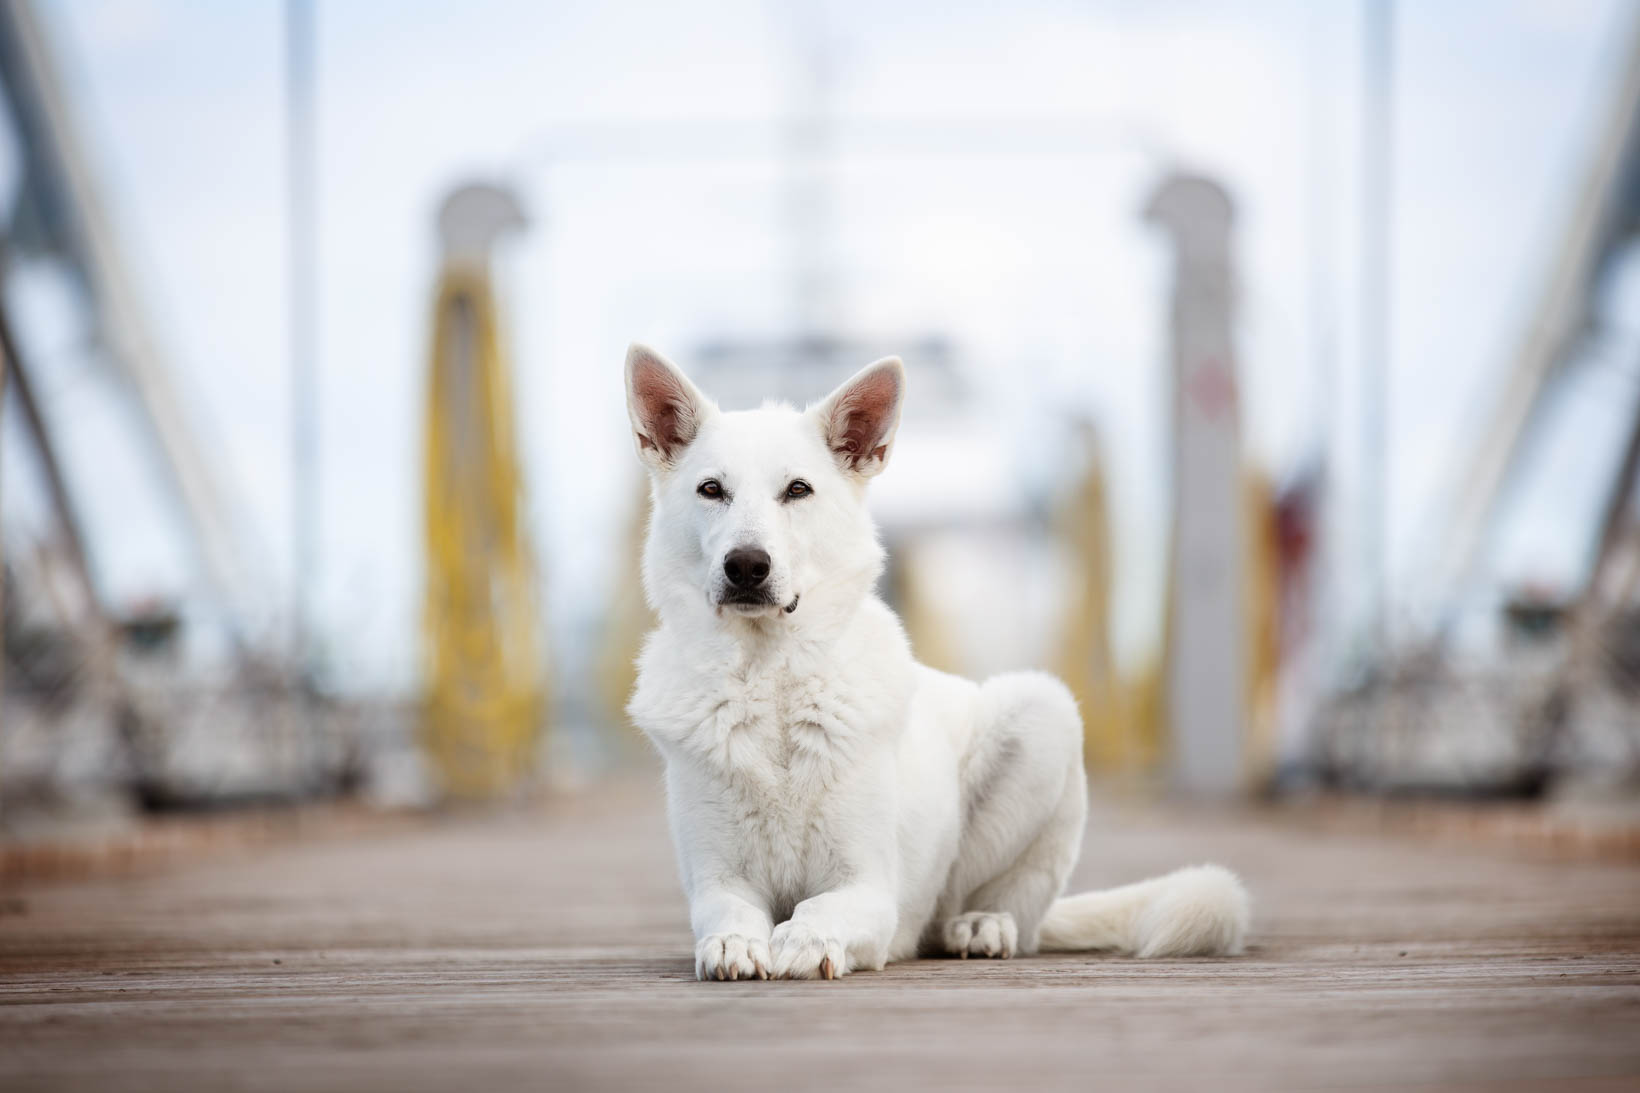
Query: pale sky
point(1037, 267)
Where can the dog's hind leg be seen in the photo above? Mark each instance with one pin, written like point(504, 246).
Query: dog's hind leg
point(1025, 804)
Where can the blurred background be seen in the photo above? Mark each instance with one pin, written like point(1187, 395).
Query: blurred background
point(1275, 376)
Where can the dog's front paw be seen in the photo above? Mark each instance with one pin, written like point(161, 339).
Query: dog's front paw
point(802, 953)
point(732, 956)
point(981, 933)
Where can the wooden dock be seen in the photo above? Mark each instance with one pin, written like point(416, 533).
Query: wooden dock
point(548, 950)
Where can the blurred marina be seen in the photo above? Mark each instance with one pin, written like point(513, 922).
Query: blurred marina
point(1306, 454)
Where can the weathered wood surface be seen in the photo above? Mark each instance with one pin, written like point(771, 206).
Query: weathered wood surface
point(549, 951)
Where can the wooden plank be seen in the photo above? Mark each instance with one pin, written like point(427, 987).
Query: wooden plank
point(549, 950)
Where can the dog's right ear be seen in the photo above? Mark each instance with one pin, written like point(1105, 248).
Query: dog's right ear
point(665, 409)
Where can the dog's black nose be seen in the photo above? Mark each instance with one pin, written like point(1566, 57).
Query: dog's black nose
point(746, 567)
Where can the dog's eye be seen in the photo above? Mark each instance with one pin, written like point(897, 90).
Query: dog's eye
point(711, 488)
point(798, 488)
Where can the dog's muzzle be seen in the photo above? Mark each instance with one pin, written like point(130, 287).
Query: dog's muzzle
point(743, 600)
point(746, 571)
point(757, 602)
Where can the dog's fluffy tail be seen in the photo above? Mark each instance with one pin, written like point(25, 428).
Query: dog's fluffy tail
point(1201, 910)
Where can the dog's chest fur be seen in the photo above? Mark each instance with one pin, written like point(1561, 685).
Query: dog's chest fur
point(773, 752)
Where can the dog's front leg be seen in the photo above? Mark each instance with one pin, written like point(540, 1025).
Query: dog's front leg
point(731, 934)
point(834, 933)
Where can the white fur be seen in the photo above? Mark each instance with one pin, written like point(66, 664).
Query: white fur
point(836, 805)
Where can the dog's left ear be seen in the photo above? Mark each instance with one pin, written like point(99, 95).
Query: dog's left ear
point(859, 419)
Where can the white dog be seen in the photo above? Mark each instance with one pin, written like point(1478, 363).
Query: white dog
point(835, 804)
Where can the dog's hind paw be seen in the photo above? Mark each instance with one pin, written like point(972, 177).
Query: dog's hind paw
point(732, 956)
point(981, 933)
point(802, 953)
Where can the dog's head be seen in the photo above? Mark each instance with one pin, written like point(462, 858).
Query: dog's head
point(757, 512)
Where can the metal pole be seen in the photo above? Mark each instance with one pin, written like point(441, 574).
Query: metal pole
point(51, 466)
point(1321, 292)
point(1376, 177)
point(300, 195)
point(809, 147)
point(1377, 139)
